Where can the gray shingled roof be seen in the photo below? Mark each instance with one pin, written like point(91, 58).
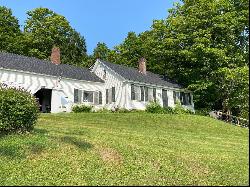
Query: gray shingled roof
point(133, 74)
point(34, 65)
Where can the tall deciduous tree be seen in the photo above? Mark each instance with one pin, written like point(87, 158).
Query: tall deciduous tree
point(10, 33)
point(44, 29)
point(101, 51)
point(208, 35)
point(234, 87)
point(193, 44)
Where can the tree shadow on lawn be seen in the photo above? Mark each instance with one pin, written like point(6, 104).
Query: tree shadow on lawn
point(40, 131)
point(11, 152)
point(26, 146)
point(75, 142)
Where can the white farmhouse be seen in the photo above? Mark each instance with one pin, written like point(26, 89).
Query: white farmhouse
point(59, 86)
point(132, 88)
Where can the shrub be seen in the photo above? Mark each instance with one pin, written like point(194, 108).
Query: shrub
point(19, 110)
point(154, 107)
point(103, 110)
point(180, 110)
point(169, 110)
point(81, 109)
point(122, 110)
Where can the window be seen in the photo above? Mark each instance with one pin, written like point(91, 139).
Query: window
point(154, 94)
point(182, 98)
point(142, 93)
point(187, 99)
point(146, 93)
point(113, 94)
point(137, 93)
point(132, 92)
point(150, 94)
point(100, 98)
point(176, 97)
point(88, 96)
point(110, 95)
point(96, 98)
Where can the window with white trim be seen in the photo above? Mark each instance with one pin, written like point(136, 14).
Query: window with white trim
point(83, 96)
point(142, 93)
point(88, 96)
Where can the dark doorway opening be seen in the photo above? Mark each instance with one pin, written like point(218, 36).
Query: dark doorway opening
point(44, 98)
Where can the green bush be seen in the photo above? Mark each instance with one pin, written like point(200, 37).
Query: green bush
point(82, 109)
point(154, 107)
point(178, 109)
point(19, 110)
point(122, 110)
point(169, 110)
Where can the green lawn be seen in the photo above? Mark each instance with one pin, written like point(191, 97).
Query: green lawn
point(126, 149)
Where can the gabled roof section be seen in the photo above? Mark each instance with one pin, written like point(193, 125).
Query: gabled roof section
point(132, 74)
point(34, 65)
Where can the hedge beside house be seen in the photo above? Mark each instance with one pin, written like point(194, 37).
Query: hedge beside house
point(18, 110)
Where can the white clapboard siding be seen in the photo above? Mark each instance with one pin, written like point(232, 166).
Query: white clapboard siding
point(123, 90)
point(62, 92)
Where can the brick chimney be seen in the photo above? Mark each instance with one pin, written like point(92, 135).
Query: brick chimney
point(55, 55)
point(142, 66)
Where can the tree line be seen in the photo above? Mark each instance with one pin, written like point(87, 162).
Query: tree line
point(203, 45)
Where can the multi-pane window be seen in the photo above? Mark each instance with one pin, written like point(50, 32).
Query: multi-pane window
point(184, 98)
point(88, 96)
point(110, 95)
point(143, 93)
point(81, 96)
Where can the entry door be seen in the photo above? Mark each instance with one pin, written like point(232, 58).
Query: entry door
point(165, 98)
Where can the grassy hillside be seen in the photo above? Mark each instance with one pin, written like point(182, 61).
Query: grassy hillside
point(126, 149)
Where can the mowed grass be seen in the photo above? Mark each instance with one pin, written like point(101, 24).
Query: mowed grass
point(126, 149)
